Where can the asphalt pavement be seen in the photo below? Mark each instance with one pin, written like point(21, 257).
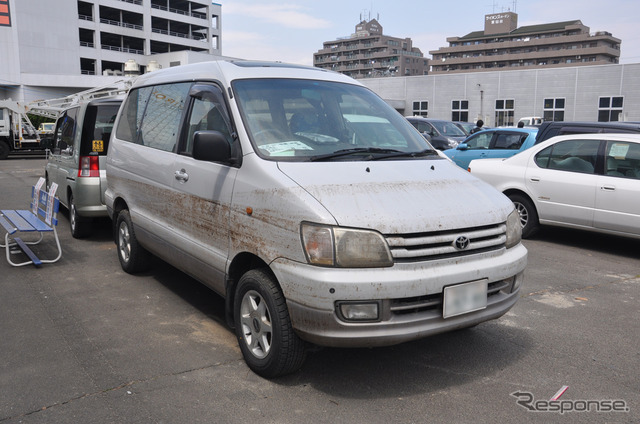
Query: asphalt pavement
point(83, 342)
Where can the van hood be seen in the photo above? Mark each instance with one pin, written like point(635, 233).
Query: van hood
point(400, 196)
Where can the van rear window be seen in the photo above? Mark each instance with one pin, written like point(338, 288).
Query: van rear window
point(97, 128)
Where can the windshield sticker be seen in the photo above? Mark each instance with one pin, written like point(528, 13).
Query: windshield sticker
point(619, 150)
point(286, 148)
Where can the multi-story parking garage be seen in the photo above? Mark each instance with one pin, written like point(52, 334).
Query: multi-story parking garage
point(51, 50)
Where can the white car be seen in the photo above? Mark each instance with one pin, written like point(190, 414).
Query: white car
point(584, 181)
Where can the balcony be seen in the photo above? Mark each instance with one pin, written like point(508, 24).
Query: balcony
point(121, 49)
point(198, 15)
point(120, 24)
point(179, 34)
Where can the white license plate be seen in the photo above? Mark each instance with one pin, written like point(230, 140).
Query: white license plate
point(464, 298)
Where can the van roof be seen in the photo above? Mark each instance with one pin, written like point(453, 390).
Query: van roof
point(229, 70)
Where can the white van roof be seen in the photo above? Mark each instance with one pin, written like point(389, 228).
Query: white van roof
point(229, 70)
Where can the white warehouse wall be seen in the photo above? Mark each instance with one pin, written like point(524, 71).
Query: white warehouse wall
point(581, 88)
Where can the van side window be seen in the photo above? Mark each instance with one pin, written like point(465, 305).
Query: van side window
point(207, 113)
point(132, 112)
point(66, 132)
point(161, 121)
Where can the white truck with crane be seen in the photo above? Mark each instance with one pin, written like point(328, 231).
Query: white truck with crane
point(17, 133)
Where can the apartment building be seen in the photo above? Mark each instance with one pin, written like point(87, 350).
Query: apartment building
point(503, 45)
point(369, 53)
point(56, 48)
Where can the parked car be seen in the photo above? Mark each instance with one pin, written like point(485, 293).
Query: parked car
point(441, 134)
point(77, 161)
point(466, 127)
point(531, 121)
point(585, 181)
point(492, 143)
point(310, 205)
point(46, 128)
point(550, 129)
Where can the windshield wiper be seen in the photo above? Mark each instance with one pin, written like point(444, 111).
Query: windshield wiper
point(355, 151)
point(426, 152)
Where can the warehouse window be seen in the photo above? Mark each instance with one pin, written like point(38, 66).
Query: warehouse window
point(553, 109)
point(505, 112)
point(421, 108)
point(460, 110)
point(610, 108)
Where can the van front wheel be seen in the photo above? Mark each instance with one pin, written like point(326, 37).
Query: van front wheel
point(133, 257)
point(268, 343)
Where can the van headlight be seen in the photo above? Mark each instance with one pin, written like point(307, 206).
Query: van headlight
point(344, 247)
point(514, 229)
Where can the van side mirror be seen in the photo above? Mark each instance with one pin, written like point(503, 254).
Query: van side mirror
point(211, 146)
point(463, 146)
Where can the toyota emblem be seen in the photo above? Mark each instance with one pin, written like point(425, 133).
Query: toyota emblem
point(462, 242)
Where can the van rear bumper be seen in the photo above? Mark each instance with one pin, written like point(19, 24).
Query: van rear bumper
point(313, 295)
point(87, 193)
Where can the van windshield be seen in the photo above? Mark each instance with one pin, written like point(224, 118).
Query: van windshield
point(305, 120)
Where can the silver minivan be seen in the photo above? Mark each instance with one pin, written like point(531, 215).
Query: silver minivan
point(315, 209)
point(77, 161)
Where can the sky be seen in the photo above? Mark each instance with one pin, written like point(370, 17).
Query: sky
point(292, 31)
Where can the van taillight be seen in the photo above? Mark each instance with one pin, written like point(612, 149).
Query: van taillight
point(89, 166)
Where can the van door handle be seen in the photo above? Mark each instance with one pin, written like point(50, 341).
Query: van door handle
point(608, 188)
point(535, 179)
point(182, 176)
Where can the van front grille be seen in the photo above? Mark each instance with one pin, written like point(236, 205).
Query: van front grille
point(446, 244)
point(433, 302)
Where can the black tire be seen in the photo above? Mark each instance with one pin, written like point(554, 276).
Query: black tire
point(133, 257)
point(4, 150)
point(528, 214)
point(268, 343)
point(80, 227)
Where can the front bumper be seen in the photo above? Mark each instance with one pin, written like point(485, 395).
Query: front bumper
point(312, 293)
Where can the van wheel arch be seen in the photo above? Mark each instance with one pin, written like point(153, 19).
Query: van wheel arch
point(118, 205)
point(132, 256)
point(241, 264)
